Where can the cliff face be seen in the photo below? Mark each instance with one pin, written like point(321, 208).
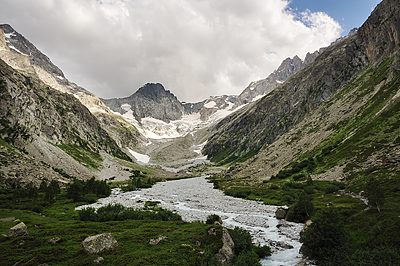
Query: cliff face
point(287, 69)
point(44, 129)
point(243, 134)
point(151, 100)
point(22, 55)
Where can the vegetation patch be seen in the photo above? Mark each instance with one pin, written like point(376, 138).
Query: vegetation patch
point(86, 157)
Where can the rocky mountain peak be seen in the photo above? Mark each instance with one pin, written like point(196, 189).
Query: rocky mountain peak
point(19, 44)
point(154, 92)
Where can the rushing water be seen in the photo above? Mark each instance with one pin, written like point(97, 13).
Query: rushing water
point(195, 199)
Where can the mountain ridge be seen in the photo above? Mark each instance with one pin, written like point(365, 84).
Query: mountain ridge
point(275, 117)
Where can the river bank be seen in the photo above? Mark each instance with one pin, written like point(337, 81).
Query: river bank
point(195, 199)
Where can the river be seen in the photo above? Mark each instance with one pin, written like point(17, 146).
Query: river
point(195, 199)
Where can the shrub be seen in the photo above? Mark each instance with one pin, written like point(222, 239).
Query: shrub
point(298, 177)
point(238, 192)
point(301, 211)
point(88, 214)
point(90, 198)
point(326, 239)
point(242, 240)
point(117, 212)
point(262, 252)
point(249, 258)
point(212, 218)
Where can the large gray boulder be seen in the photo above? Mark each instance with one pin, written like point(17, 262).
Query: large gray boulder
point(280, 213)
point(99, 243)
point(18, 230)
point(225, 254)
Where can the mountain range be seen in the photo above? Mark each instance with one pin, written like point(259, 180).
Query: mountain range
point(292, 113)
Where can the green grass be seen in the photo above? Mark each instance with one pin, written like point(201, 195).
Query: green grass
point(88, 158)
point(60, 220)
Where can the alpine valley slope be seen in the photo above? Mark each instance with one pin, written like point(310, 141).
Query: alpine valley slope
point(51, 128)
point(340, 112)
point(22, 55)
point(177, 131)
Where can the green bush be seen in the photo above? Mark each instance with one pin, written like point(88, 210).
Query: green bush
point(326, 239)
point(301, 211)
point(249, 258)
point(78, 190)
point(242, 240)
point(238, 192)
point(88, 214)
point(117, 212)
point(262, 252)
point(212, 218)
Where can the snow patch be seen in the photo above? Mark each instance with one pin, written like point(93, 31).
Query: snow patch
point(257, 98)
point(10, 35)
point(143, 158)
point(15, 49)
point(211, 104)
point(279, 81)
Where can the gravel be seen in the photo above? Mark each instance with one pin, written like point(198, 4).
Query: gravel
point(194, 199)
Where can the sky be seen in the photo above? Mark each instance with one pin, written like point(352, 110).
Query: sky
point(195, 48)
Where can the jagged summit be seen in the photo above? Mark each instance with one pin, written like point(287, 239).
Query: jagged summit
point(19, 44)
point(155, 92)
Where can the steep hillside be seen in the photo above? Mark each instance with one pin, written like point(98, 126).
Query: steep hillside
point(46, 132)
point(242, 135)
point(22, 55)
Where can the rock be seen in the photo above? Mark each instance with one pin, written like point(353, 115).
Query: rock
point(280, 213)
point(99, 243)
point(98, 260)
point(18, 230)
point(225, 254)
point(212, 231)
point(301, 263)
point(280, 244)
point(54, 240)
point(8, 219)
point(217, 223)
point(157, 240)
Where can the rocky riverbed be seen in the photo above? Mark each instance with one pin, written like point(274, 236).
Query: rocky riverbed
point(195, 199)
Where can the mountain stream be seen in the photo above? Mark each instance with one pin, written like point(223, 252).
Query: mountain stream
point(195, 199)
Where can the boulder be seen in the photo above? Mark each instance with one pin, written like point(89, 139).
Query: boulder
point(225, 254)
point(98, 260)
point(18, 230)
point(280, 213)
point(54, 240)
point(212, 231)
point(99, 243)
point(8, 219)
point(157, 240)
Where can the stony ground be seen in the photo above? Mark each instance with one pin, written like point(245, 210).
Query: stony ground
point(195, 199)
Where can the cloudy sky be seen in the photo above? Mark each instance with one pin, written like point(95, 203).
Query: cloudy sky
point(195, 48)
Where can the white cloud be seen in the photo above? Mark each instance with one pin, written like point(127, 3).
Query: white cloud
point(196, 48)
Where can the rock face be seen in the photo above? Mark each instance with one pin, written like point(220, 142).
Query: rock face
point(245, 132)
point(39, 120)
point(225, 254)
point(319, 102)
point(151, 100)
point(18, 230)
point(288, 68)
point(36, 98)
point(99, 243)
